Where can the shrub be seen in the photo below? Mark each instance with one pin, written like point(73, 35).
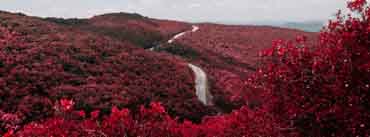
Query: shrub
point(323, 89)
point(68, 22)
point(180, 50)
point(152, 121)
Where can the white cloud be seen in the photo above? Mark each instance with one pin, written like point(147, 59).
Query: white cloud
point(188, 10)
point(194, 5)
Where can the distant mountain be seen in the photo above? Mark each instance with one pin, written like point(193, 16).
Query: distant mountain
point(139, 30)
point(306, 26)
point(309, 26)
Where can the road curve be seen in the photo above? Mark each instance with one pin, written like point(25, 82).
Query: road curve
point(201, 81)
point(201, 85)
point(194, 29)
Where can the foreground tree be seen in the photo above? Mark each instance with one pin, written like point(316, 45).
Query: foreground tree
point(323, 89)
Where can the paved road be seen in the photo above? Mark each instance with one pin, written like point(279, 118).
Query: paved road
point(201, 81)
point(201, 85)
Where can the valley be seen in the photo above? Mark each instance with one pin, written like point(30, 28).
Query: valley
point(129, 60)
point(125, 74)
point(201, 82)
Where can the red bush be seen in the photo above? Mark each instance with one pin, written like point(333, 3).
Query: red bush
point(323, 90)
point(153, 122)
point(229, 54)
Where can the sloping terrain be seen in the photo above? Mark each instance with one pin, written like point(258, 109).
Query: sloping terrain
point(229, 54)
point(141, 31)
point(100, 62)
point(42, 62)
point(103, 77)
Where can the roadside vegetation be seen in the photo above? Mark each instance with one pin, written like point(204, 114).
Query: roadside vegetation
point(52, 84)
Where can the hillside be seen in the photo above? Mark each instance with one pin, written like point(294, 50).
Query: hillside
point(122, 74)
point(139, 30)
point(43, 62)
point(229, 54)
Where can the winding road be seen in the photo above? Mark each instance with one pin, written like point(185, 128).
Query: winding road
point(201, 85)
point(201, 81)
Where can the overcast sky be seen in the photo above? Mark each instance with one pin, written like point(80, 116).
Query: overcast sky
point(185, 10)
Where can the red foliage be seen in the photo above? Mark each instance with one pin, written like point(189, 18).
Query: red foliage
point(66, 105)
point(307, 89)
point(229, 54)
point(41, 63)
point(357, 5)
point(10, 133)
point(154, 122)
point(139, 24)
point(141, 31)
point(322, 90)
